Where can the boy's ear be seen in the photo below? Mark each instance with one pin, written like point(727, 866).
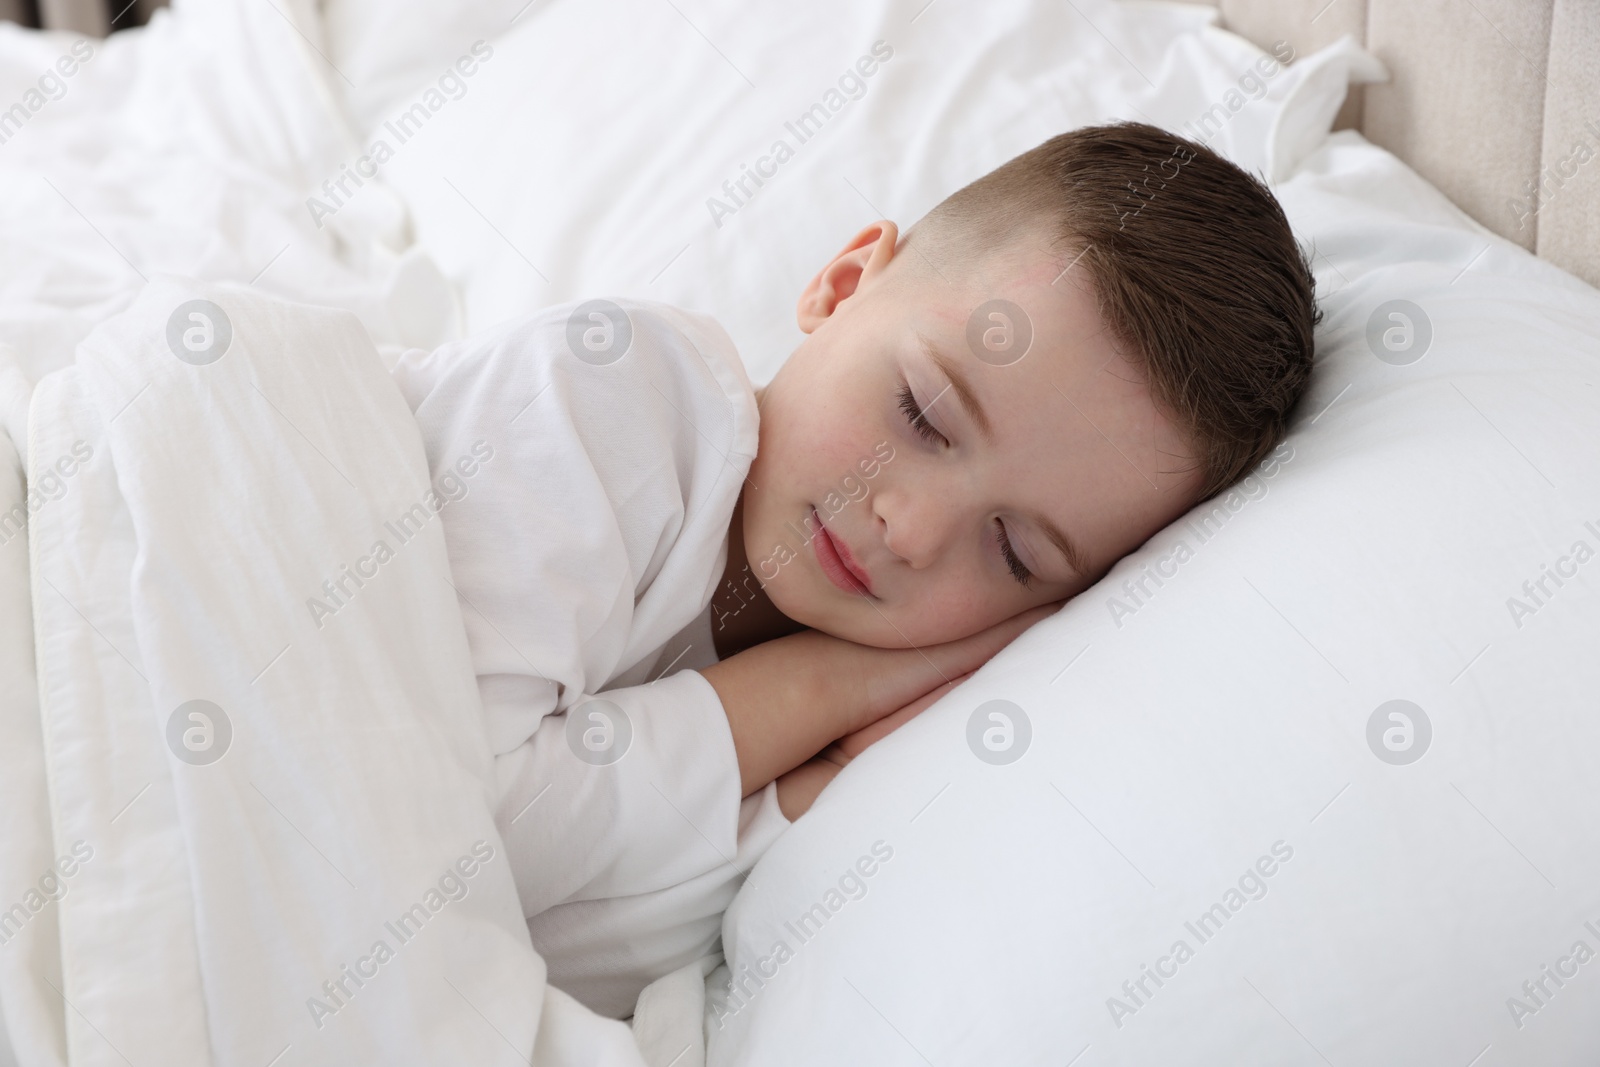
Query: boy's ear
point(863, 259)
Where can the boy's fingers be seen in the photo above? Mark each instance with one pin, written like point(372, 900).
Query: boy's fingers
point(798, 789)
point(852, 745)
point(889, 679)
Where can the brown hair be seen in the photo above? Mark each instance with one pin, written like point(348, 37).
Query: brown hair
point(1194, 265)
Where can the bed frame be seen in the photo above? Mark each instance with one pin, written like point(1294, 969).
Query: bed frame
point(1496, 102)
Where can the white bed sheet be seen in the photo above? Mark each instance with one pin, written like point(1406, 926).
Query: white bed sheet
point(191, 147)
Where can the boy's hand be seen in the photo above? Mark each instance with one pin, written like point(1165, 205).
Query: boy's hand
point(890, 688)
point(852, 745)
point(786, 699)
point(943, 665)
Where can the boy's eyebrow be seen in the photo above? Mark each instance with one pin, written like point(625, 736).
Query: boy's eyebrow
point(1069, 548)
point(963, 388)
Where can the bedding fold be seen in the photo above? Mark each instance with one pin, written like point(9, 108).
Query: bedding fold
point(281, 818)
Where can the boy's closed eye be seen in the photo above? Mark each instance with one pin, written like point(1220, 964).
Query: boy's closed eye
point(920, 422)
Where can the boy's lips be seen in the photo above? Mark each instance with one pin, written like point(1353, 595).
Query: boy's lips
point(837, 562)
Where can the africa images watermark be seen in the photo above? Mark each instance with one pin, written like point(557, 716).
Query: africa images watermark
point(743, 985)
point(50, 886)
point(852, 86)
point(1563, 570)
point(850, 490)
point(1538, 193)
point(49, 486)
point(1536, 991)
point(1143, 194)
point(999, 732)
point(451, 487)
point(1399, 732)
point(1252, 885)
point(451, 887)
point(1250, 86)
point(1253, 82)
point(51, 86)
point(452, 85)
point(1202, 526)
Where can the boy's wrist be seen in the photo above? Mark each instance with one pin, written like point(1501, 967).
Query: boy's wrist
point(836, 678)
point(887, 679)
point(857, 680)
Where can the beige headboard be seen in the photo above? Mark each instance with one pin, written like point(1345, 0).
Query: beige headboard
point(1496, 102)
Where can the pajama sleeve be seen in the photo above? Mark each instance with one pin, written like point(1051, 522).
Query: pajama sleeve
point(625, 868)
point(628, 791)
point(650, 901)
point(606, 951)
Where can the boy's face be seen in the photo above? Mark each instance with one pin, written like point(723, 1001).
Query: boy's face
point(1068, 442)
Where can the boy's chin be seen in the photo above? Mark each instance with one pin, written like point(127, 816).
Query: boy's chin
point(853, 622)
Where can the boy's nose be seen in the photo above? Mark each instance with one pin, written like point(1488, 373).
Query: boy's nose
point(916, 526)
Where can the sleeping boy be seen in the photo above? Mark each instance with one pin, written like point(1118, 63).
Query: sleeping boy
point(680, 592)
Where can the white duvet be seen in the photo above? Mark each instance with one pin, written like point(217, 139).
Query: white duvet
point(191, 147)
point(278, 825)
point(332, 889)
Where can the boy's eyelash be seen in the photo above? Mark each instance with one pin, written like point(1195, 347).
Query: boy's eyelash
point(1018, 570)
point(919, 422)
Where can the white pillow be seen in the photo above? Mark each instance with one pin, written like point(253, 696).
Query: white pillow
point(582, 156)
point(1382, 881)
